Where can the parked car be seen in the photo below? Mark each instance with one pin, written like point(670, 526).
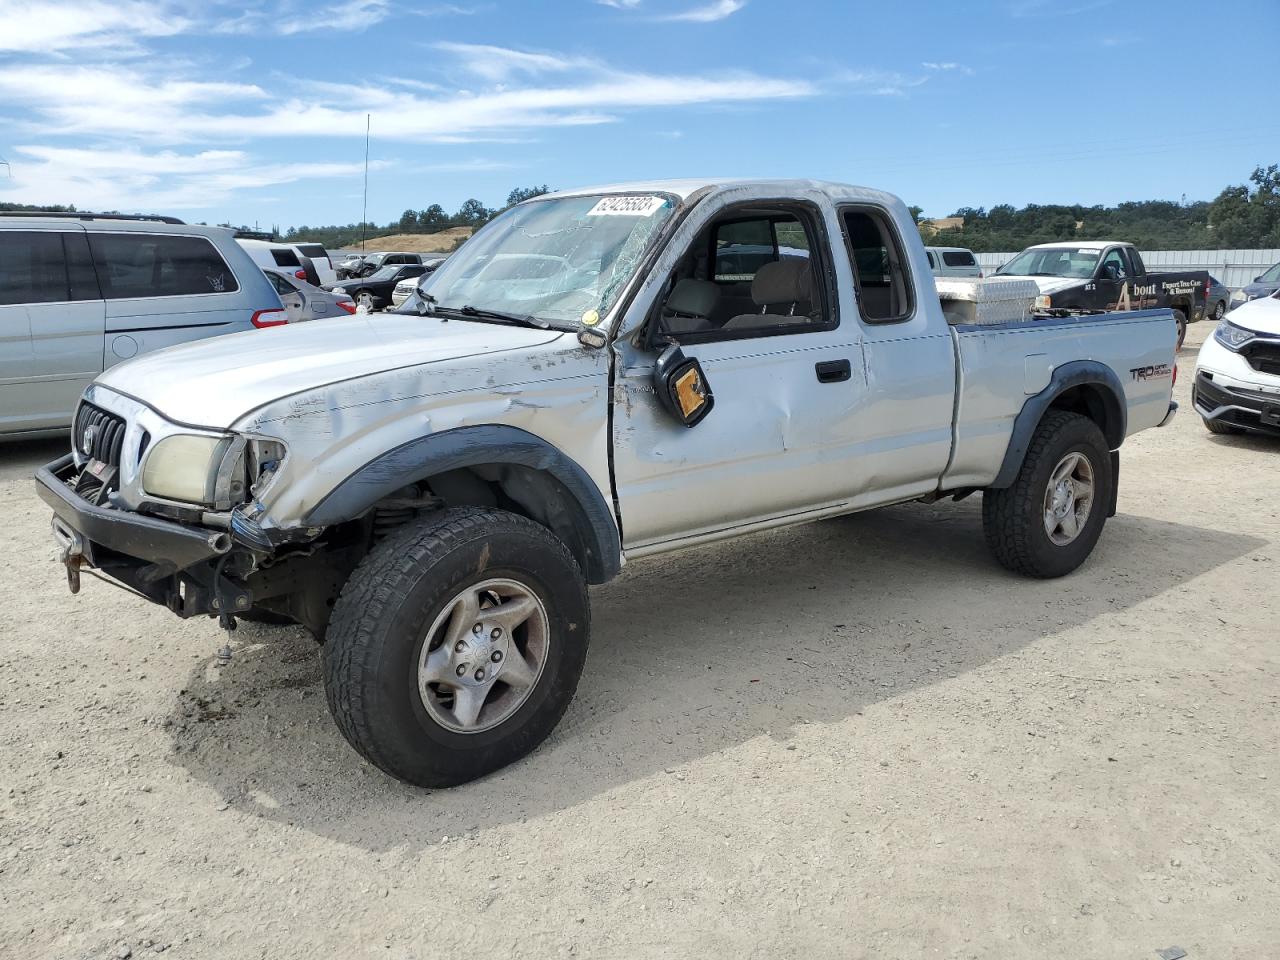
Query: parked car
point(303, 301)
point(1237, 385)
point(1108, 275)
point(374, 292)
point(319, 257)
point(433, 499)
point(1262, 286)
point(952, 262)
point(268, 254)
point(348, 266)
point(83, 292)
point(1219, 299)
point(376, 261)
point(406, 287)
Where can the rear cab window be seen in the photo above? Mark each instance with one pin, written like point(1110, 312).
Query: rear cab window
point(958, 258)
point(138, 265)
point(285, 258)
point(880, 271)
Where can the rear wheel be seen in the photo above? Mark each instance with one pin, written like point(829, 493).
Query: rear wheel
point(1048, 521)
point(457, 645)
point(1219, 310)
point(1217, 426)
point(365, 299)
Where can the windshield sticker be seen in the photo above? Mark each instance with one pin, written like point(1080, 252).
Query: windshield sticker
point(627, 207)
point(591, 318)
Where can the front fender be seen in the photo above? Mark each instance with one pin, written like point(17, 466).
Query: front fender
point(472, 446)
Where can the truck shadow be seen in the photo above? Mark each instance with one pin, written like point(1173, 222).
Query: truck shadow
point(692, 655)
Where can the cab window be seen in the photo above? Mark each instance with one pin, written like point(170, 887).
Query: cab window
point(880, 271)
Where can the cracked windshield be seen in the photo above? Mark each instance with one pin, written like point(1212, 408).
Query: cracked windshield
point(563, 261)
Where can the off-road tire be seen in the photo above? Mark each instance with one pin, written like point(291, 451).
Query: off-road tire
point(1180, 317)
point(1217, 426)
point(375, 639)
point(1013, 518)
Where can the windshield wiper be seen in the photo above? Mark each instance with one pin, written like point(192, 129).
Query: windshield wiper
point(521, 319)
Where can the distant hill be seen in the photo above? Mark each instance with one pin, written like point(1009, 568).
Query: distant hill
point(441, 242)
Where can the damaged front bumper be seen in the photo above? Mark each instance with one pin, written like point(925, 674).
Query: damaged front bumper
point(168, 563)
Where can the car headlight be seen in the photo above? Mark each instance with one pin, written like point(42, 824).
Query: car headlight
point(195, 468)
point(1239, 297)
point(1044, 302)
point(1231, 336)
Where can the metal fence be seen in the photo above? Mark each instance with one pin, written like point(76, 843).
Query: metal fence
point(1234, 268)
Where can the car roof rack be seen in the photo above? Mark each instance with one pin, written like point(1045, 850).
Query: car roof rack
point(67, 215)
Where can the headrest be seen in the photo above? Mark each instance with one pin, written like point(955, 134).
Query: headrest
point(697, 298)
point(782, 281)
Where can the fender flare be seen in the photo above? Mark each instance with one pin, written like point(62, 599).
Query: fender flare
point(1074, 374)
point(472, 446)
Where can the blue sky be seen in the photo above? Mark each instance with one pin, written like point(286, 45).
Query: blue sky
point(213, 111)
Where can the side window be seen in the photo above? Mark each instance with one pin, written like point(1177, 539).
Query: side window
point(285, 258)
point(132, 265)
point(933, 262)
point(1114, 266)
point(879, 268)
point(958, 258)
point(83, 278)
point(280, 283)
point(1135, 261)
point(750, 277)
point(33, 268)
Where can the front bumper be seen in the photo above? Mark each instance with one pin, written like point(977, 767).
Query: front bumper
point(1248, 409)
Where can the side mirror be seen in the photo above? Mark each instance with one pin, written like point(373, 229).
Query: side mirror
point(681, 386)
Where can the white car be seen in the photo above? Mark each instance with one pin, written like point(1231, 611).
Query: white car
point(407, 287)
point(1237, 387)
point(308, 262)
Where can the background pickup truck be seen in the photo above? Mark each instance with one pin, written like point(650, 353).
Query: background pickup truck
point(595, 376)
point(1108, 275)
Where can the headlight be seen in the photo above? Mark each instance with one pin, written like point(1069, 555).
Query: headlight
point(1231, 336)
point(1239, 297)
point(192, 468)
point(1044, 302)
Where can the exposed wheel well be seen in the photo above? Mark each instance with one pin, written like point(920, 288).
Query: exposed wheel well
point(524, 490)
point(1099, 404)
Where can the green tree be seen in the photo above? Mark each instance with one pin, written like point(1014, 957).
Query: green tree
point(433, 219)
point(472, 213)
point(408, 221)
point(520, 194)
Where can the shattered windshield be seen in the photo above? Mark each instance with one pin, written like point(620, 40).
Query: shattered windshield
point(564, 261)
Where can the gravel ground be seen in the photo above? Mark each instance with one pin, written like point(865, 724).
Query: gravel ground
point(859, 738)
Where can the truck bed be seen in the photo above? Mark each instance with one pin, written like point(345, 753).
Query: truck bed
point(1000, 366)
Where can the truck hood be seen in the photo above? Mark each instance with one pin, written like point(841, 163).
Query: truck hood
point(212, 383)
point(1261, 316)
point(1047, 284)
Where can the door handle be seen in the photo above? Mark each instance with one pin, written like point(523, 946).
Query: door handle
point(832, 371)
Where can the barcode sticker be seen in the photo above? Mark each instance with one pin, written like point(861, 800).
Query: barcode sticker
point(627, 207)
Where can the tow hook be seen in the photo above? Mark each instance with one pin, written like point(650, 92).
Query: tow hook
point(71, 559)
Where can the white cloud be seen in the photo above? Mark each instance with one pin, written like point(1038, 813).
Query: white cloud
point(948, 67)
point(496, 64)
point(108, 101)
point(620, 4)
point(131, 180)
point(45, 27)
point(718, 10)
point(879, 83)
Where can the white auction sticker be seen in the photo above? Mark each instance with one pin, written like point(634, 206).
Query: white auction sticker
point(627, 207)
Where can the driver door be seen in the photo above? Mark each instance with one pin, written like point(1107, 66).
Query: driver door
point(1110, 280)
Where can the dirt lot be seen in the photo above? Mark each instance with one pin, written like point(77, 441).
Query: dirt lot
point(441, 242)
point(854, 739)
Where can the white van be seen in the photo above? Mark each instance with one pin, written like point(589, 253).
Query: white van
point(953, 262)
point(308, 262)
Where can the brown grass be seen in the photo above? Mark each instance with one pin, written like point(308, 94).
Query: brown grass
point(441, 242)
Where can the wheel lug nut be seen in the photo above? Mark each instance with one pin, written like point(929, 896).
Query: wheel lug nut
point(462, 668)
point(477, 628)
point(480, 674)
point(497, 656)
point(497, 632)
point(460, 646)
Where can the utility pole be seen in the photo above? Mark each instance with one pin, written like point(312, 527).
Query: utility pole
point(364, 211)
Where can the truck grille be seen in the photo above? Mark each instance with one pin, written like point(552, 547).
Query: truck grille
point(98, 435)
point(1263, 357)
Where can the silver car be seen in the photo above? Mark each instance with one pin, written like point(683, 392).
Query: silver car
point(304, 301)
point(80, 293)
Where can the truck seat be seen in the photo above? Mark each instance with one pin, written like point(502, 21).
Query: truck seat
point(783, 290)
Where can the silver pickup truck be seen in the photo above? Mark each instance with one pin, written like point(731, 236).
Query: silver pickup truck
point(597, 375)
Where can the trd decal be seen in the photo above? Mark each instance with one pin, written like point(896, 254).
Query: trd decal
point(1157, 372)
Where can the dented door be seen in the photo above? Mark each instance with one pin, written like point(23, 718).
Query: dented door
point(763, 452)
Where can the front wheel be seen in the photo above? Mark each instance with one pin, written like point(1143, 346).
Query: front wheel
point(1048, 521)
point(365, 299)
point(1180, 318)
point(457, 645)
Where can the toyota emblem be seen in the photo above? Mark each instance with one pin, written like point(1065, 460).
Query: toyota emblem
point(86, 440)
